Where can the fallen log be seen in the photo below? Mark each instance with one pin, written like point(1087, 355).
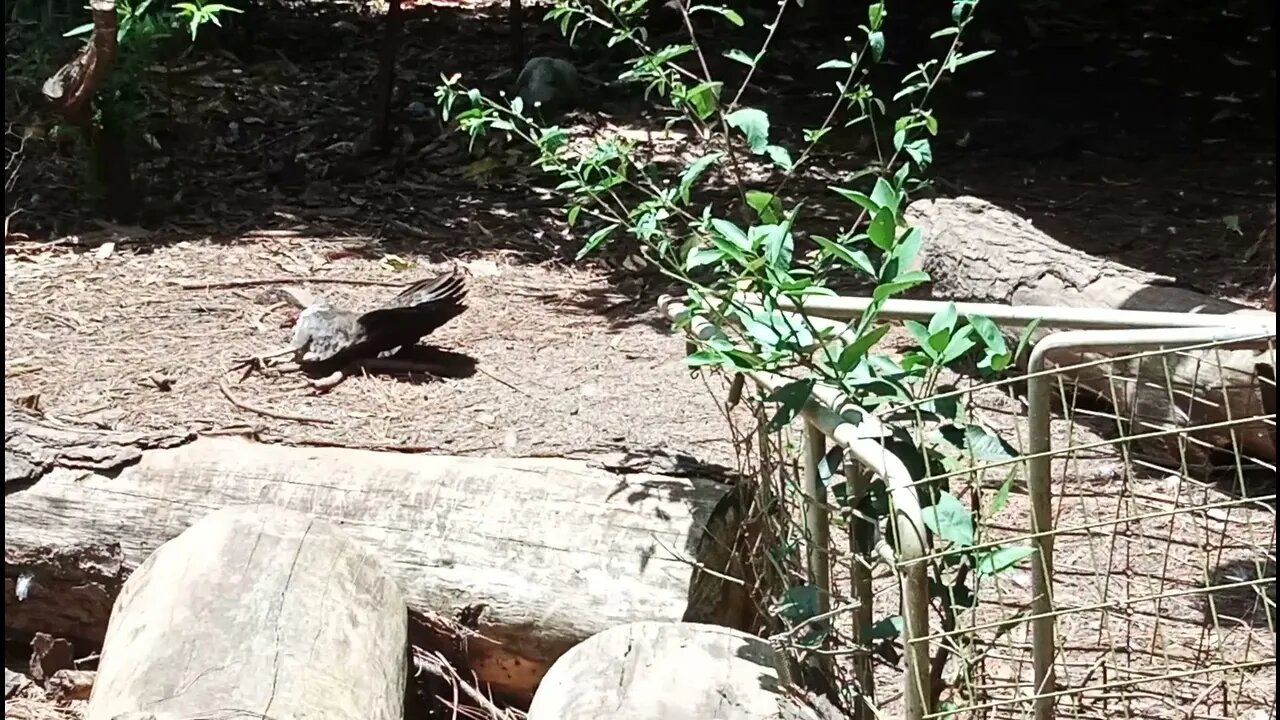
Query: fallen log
point(534, 555)
point(259, 611)
point(976, 251)
point(667, 671)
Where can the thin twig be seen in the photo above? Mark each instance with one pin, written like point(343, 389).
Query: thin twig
point(250, 282)
point(243, 405)
point(504, 382)
point(257, 323)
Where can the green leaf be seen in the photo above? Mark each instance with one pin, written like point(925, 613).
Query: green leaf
point(753, 123)
point(1000, 559)
point(958, 344)
point(731, 232)
point(875, 15)
point(704, 98)
point(791, 398)
point(699, 256)
point(728, 249)
point(920, 151)
point(959, 60)
point(949, 519)
point(779, 246)
point(78, 30)
point(882, 228)
point(703, 358)
point(908, 247)
point(886, 628)
point(768, 206)
point(729, 15)
point(911, 89)
point(986, 446)
point(596, 239)
point(739, 56)
point(875, 41)
point(922, 337)
point(988, 332)
point(695, 170)
point(780, 156)
point(836, 65)
point(761, 331)
point(884, 196)
point(902, 283)
point(1001, 500)
point(853, 258)
point(1025, 337)
point(858, 349)
point(945, 319)
point(856, 197)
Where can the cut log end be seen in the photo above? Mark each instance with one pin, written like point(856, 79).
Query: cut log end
point(256, 608)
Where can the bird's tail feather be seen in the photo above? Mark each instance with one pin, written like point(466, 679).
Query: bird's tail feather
point(448, 289)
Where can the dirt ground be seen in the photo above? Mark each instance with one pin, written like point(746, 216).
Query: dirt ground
point(539, 369)
point(1107, 133)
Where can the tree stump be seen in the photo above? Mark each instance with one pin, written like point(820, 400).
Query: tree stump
point(667, 671)
point(258, 611)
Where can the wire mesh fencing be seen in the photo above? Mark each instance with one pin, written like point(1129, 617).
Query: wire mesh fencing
point(1100, 541)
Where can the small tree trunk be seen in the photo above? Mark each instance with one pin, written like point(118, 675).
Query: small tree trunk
point(71, 90)
point(113, 171)
point(393, 31)
point(515, 12)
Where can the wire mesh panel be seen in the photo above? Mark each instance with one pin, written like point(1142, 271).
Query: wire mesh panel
point(1094, 539)
point(1162, 522)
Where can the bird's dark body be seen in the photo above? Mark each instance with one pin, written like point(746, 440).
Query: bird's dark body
point(332, 337)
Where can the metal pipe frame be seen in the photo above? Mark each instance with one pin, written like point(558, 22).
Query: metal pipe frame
point(1062, 318)
point(860, 444)
point(1039, 485)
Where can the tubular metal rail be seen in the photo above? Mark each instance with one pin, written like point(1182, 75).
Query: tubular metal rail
point(857, 434)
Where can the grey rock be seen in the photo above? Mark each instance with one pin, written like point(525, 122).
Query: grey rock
point(548, 85)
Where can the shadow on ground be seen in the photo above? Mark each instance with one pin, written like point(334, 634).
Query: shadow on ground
point(1116, 128)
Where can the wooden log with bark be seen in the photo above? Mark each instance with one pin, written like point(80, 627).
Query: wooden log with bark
point(976, 251)
point(668, 671)
point(259, 611)
point(532, 555)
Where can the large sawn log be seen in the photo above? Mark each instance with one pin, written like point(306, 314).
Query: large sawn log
point(976, 251)
point(535, 554)
point(256, 611)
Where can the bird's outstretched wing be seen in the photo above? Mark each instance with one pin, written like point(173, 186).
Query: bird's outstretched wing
point(418, 310)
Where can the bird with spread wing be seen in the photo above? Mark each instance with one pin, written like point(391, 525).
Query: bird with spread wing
point(332, 340)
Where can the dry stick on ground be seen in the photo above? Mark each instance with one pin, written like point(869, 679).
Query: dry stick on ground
point(251, 282)
point(244, 405)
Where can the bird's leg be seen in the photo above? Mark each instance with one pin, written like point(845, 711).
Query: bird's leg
point(260, 361)
point(328, 382)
